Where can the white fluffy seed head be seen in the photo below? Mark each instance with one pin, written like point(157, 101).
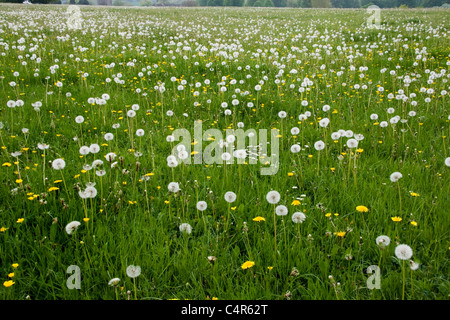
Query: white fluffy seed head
point(403, 252)
point(273, 197)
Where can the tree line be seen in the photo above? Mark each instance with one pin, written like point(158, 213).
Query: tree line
point(323, 3)
point(270, 3)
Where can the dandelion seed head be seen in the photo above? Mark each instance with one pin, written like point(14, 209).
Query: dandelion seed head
point(72, 226)
point(403, 252)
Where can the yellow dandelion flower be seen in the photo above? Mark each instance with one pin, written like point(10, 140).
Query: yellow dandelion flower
point(8, 283)
point(340, 234)
point(396, 219)
point(3, 229)
point(414, 194)
point(20, 220)
point(15, 265)
point(11, 275)
point(362, 209)
point(247, 265)
point(414, 223)
point(85, 219)
point(259, 219)
point(6, 164)
point(295, 202)
point(290, 174)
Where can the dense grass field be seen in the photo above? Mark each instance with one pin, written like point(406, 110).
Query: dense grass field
point(87, 118)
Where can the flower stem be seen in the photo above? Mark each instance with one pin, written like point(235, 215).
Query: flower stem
point(403, 288)
point(275, 231)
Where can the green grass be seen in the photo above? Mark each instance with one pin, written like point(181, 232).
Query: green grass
point(136, 222)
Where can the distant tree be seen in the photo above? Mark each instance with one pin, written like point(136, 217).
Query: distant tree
point(409, 3)
point(227, 3)
point(306, 4)
point(238, 3)
point(366, 3)
point(250, 3)
point(215, 3)
point(351, 4)
point(384, 3)
point(321, 3)
point(189, 3)
point(146, 3)
point(433, 3)
point(268, 3)
point(202, 3)
point(279, 3)
point(337, 3)
point(258, 3)
point(292, 3)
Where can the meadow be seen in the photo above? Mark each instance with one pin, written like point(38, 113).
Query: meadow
point(94, 183)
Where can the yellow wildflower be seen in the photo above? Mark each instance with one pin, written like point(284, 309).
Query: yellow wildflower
point(362, 209)
point(247, 265)
point(259, 219)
